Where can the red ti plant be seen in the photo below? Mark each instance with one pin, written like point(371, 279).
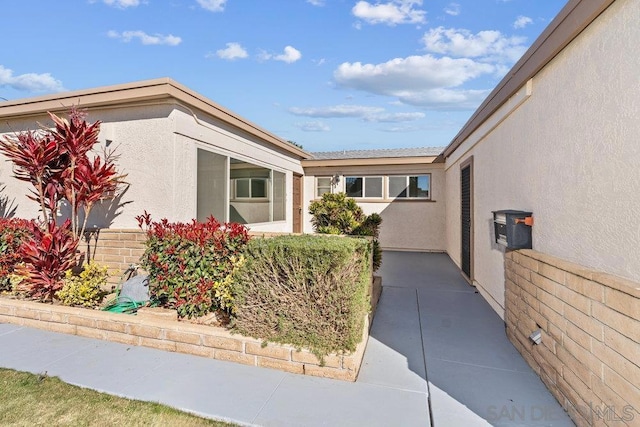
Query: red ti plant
point(59, 166)
point(46, 256)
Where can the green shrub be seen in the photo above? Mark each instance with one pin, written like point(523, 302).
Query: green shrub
point(85, 289)
point(191, 265)
point(336, 213)
point(307, 291)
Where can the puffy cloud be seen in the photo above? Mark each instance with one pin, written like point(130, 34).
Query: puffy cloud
point(489, 44)
point(336, 111)
point(29, 82)
point(232, 52)
point(146, 39)
point(453, 9)
point(212, 5)
point(313, 127)
point(400, 129)
point(419, 72)
point(122, 4)
point(391, 13)
point(418, 80)
point(290, 55)
point(522, 21)
point(316, 2)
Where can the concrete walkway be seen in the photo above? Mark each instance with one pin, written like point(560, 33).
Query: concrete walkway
point(429, 324)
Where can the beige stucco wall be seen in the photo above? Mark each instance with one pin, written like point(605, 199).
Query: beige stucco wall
point(569, 153)
point(406, 225)
point(157, 144)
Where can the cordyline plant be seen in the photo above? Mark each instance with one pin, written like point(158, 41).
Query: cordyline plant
point(60, 166)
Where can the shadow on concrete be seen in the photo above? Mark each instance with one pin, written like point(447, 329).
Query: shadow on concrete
point(448, 336)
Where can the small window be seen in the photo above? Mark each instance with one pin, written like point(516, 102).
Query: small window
point(363, 186)
point(414, 187)
point(323, 185)
point(251, 188)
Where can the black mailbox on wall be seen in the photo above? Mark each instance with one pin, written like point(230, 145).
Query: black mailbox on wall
point(513, 228)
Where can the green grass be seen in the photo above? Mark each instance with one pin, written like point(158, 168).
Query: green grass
point(28, 400)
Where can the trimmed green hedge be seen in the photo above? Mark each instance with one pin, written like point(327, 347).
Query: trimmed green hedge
point(307, 291)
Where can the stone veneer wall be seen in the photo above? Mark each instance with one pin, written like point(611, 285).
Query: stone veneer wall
point(158, 328)
point(589, 357)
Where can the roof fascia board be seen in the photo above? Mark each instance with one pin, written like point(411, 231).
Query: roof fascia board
point(309, 163)
point(148, 90)
point(566, 26)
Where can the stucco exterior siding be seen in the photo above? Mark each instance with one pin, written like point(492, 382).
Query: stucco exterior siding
point(569, 153)
point(406, 225)
point(157, 144)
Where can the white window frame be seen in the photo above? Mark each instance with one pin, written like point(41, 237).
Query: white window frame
point(364, 186)
point(407, 180)
point(235, 188)
point(317, 186)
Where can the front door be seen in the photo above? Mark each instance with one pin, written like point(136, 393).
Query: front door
point(466, 204)
point(297, 204)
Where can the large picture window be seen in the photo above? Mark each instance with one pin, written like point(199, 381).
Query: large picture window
point(238, 191)
point(410, 187)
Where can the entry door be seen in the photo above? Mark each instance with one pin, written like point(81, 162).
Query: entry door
point(297, 204)
point(466, 203)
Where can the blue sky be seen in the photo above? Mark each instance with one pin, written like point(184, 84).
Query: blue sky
point(328, 74)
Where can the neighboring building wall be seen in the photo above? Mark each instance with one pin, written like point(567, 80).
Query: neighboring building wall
point(157, 147)
point(590, 323)
point(406, 225)
point(566, 148)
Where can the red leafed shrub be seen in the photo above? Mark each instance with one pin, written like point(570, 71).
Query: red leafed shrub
point(13, 232)
point(47, 255)
point(59, 166)
point(191, 265)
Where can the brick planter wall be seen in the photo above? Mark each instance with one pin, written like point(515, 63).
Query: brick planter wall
point(115, 248)
point(155, 330)
point(589, 357)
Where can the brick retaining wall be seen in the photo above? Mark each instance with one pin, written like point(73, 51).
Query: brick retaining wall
point(589, 357)
point(154, 330)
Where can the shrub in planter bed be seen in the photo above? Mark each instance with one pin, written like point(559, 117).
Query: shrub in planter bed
point(190, 265)
point(85, 289)
point(336, 213)
point(13, 232)
point(307, 291)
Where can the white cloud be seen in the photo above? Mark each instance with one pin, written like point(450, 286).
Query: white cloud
point(522, 21)
point(29, 82)
point(212, 5)
point(395, 117)
point(336, 111)
point(399, 129)
point(232, 52)
point(392, 12)
point(418, 80)
point(146, 39)
point(122, 4)
point(313, 127)
point(290, 55)
point(453, 9)
point(485, 44)
point(316, 2)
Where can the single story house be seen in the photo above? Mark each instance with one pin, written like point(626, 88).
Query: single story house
point(185, 156)
point(558, 137)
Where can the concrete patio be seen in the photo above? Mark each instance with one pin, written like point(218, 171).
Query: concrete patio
point(437, 355)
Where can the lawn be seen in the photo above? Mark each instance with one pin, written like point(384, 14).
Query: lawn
point(28, 399)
